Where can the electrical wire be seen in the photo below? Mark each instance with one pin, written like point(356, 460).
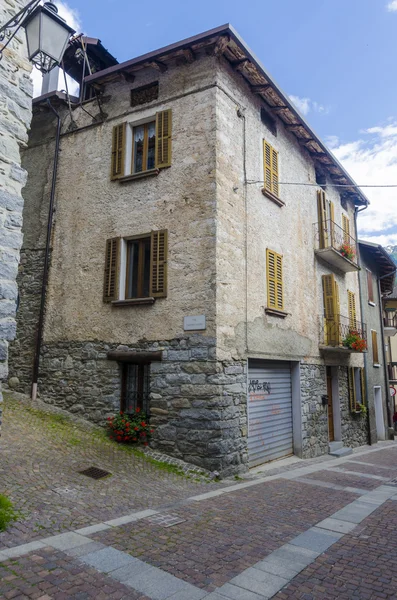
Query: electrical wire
point(335, 185)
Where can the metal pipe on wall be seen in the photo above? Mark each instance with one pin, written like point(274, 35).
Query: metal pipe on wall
point(36, 360)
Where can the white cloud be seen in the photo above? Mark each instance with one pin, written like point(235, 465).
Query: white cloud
point(372, 160)
point(305, 105)
point(392, 6)
point(72, 18)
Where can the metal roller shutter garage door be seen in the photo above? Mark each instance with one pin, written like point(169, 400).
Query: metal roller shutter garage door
point(269, 411)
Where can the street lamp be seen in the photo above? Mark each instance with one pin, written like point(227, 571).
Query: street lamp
point(47, 34)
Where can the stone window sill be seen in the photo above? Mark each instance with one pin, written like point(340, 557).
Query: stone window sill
point(133, 302)
point(276, 313)
point(371, 303)
point(272, 197)
point(376, 365)
point(142, 175)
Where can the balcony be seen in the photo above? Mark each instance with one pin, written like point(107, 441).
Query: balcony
point(335, 247)
point(390, 324)
point(340, 335)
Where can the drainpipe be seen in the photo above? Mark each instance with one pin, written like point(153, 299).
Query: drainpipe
point(362, 313)
point(387, 391)
point(36, 360)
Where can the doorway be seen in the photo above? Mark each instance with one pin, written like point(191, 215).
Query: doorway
point(380, 423)
point(331, 429)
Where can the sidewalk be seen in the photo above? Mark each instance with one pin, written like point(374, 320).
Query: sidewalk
point(306, 530)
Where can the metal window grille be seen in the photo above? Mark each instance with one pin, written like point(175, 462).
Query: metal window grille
point(136, 386)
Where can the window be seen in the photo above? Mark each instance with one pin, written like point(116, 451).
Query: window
point(270, 172)
point(351, 301)
point(144, 94)
point(326, 219)
point(136, 268)
point(356, 382)
point(331, 311)
point(135, 388)
point(375, 354)
point(370, 285)
point(275, 292)
point(269, 121)
point(141, 149)
point(346, 229)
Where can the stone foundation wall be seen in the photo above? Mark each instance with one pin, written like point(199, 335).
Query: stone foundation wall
point(354, 427)
point(314, 414)
point(197, 404)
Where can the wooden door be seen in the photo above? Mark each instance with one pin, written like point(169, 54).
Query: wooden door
point(331, 433)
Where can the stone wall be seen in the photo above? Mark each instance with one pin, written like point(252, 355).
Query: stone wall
point(197, 404)
point(354, 427)
point(314, 414)
point(15, 115)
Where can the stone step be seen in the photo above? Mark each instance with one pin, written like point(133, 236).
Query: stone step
point(335, 446)
point(341, 452)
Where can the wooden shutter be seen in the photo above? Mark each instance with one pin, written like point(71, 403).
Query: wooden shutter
point(331, 310)
point(158, 263)
point(118, 151)
point(111, 278)
point(375, 354)
point(362, 380)
point(163, 138)
point(370, 285)
point(322, 219)
point(332, 224)
point(275, 291)
point(346, 229)
point(270, 168)
point(351, 300)
point(352, 389)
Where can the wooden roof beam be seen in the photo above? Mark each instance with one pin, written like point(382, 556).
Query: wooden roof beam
point(157, 65)
point(260, 89)
point(219, 47)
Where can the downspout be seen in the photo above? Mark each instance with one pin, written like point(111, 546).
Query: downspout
point(387, 391)
point(36, 360)
point(362, 314)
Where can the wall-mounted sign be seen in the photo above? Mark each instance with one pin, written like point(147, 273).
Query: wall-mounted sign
point(194, 323)
point(392, 391)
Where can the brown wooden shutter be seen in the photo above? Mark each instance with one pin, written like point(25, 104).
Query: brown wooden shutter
point(370, 285)
point(322, 219)
point(158, 263)
point(118, 151)
point(352, 390)
point(270, 168)
point(275, 291)
point(375, 354)
point(362, 379)
point(331, 310)
point(111, 278)
point(163, 138)
point(351, 299)
point(346, 229)
point(332, 241)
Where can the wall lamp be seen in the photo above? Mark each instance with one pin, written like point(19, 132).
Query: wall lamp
point(47, 34)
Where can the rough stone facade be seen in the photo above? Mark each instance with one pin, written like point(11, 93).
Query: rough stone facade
point(15, 115)
point(218, 227)
point(314, 413)
point(354, 427)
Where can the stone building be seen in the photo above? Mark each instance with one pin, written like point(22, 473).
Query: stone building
point(15, 115)
point(390, 330)
point(185, 278)
point(377, 276)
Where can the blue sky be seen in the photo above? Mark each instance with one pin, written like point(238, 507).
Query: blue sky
point(337, 59)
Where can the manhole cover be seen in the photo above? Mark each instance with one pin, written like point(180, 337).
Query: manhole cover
point(165, 520)
point(95, 473)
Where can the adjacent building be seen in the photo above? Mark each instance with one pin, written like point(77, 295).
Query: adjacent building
point(16, 110)
point(377, 277)
point(186, 278)
point(390, 330)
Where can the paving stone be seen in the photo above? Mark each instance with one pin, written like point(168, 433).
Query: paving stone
point(107, 559)
point(93, 529)
point(356, 512)
point(281, 566)
point(190, 593)
point(300, 555)
point(316, 539)
point(336, 525)
point(130, 518)
point(22, 549)
point(260, 582)
point(131, 570)
point(65, 541)
point(233, 592)
point(157, 584)
point(85, 549)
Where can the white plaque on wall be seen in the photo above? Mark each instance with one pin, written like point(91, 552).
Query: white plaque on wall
point(194, 323)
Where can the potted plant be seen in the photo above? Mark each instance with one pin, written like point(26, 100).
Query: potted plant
point(347, 251)
point(129, 428)
point(361, 409)
point(354, 341)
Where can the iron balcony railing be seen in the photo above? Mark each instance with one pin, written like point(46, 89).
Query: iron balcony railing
point(341, 332)
point(330, 235)
point(390, 321)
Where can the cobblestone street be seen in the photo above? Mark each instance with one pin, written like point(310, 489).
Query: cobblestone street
point(308, 530)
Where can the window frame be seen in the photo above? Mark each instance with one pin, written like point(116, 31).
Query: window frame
point(145, 126)
point(370, 288)
point(142, 400)
point(375, 347)
point(141, 266)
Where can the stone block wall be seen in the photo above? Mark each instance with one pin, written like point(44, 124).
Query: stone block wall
point(197, 403)
point(314, 414)
point(354, 427)
point(16, 91)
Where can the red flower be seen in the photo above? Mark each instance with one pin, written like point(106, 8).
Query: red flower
point(152, 431)
point(145, 444)
point(118, 438)
point(138, 410)
point(143, 424)
point(136, 428)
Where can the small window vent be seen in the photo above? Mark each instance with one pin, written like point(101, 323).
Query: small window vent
point(269, 121)
point(321, 178)
point(144, 94)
